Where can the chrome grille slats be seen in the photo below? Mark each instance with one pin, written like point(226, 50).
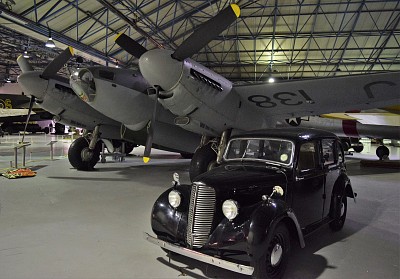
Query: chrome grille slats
point(201, 214)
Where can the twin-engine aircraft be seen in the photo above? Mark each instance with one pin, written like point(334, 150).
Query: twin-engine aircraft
point(207, 103)
point(131, 105)
point(53, 93)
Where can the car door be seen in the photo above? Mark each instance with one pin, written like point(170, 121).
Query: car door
point(308, 188)
point(331, 169)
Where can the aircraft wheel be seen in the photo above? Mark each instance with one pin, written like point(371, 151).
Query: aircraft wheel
point(129, 147)
point(186, 155)
point(346, 145)
point(80, 157)
point(358, 147)
point(203, 158)
point(59, 129)
point(382, 152)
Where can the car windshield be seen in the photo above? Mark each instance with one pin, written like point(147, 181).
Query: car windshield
point(276, 151)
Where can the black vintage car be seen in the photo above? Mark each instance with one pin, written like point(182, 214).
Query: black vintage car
point(272, 187)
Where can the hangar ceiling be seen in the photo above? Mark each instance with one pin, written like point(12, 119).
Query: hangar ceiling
point(288, 39)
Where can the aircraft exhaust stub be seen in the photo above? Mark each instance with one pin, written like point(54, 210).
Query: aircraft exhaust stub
point(182, 120)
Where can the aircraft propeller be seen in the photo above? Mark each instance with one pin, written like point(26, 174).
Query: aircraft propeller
point(149, 139)
point(193, 44)
point(130, 45)
point(199, 38)
point(54, 66)
point(51, 69)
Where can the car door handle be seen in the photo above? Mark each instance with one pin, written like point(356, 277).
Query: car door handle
point(299, 178)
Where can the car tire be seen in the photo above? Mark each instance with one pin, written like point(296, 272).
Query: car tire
point(339, 212)
point(272, 264)
point(202, 159)
point(75, 158)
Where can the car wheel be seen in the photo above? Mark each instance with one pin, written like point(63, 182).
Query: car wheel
point(76, 152)
point(273, 262)
point(339, 212)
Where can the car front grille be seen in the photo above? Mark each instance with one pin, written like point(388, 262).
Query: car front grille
point(201, 215)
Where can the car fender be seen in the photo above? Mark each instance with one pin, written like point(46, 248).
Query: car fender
point(343, 187)
point(168, 222)
point(263, 223)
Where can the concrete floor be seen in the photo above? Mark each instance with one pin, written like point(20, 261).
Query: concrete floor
point(65, 223)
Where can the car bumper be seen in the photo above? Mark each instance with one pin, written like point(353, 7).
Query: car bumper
point(243, 269)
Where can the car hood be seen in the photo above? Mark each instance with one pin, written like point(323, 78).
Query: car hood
point(238, 176)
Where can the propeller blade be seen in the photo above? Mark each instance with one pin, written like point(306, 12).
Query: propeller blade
point(130, 45)
point(28, 116)
point(207, 32)
point(149, 140)
point(58, 62)
point(23, 63)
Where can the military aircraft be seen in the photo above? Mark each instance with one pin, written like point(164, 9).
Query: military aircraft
point(53, 93)
point(13, 112)
point(207, 103)
point(352, 126)
point(132, 106)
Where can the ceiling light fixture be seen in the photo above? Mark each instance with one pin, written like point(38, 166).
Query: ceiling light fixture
point(50, 43)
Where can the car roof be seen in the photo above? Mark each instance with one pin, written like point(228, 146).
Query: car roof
point(294, 134)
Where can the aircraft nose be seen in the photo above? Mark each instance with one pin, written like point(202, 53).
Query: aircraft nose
point(32, 84)
point(82, 82)
point(159, 68)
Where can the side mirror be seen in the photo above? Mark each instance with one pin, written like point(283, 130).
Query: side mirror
point(175, 179)
point(276, 191)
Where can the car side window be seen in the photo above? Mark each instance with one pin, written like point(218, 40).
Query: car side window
point(328, 152)
point(339, 151)
point(308, 157)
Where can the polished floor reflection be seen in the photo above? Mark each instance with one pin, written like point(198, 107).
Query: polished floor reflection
point(65, 223)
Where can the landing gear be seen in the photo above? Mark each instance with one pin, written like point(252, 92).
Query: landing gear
point(81, 157)
point(208, 155)
point(203, 160)
point(186, 155)
point(358, 147)
point(382, 152)
point(59, 129)
point(83, 154)
point(117, 144)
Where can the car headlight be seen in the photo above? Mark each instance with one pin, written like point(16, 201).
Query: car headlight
point(230, 208)
point(174, 198)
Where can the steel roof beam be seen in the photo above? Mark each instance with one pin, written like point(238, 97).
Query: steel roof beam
point(43, 30)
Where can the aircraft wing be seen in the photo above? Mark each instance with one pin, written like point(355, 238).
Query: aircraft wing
point(290, 99)
point(13, 112)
